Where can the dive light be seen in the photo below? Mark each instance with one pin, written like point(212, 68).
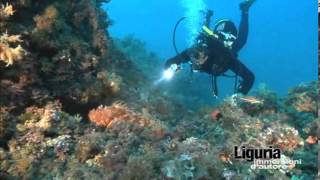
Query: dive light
point(169, 73)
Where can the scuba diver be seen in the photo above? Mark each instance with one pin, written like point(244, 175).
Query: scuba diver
point(216, 51)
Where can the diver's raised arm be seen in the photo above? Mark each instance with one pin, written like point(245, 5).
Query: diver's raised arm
point(183, 57)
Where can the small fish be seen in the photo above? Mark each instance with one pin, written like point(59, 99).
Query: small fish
point(251, 100)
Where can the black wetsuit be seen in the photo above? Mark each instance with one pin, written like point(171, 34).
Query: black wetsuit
point(221, 59)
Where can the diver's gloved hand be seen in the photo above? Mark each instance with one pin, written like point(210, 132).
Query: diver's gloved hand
point(242, 89)
point(245, 5)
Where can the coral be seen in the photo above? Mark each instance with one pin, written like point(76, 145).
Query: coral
point(129, 144)
point(158, 130)
point(193, 159)
point(3, 122)
point(50, 114)
point(277, 135)
point(10, 49)
point(257, 127)
point(111, 80)
point(89, 146)
point(256, 132)
point(115, 157)
point(195, 148)
point(6, 11)
point(47, 20)
point(10, 54)
point(303, 98)
point(138, 168)
point(7, 126)
point(186, 167)
point(42, 119)
point(228, 174)
point(137, 52)
point(62, 146)
point(304, 103)
point(181, 168)
point(80, 171)
point(148, 163)
point(24, 153)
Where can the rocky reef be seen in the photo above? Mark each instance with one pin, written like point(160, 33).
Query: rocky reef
point(53, 49)
point(75, 104)
point(122, 143)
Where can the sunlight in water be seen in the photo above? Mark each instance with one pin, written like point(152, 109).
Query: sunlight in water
point(194, 13)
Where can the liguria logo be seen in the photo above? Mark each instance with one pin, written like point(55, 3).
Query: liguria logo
point(251, 154)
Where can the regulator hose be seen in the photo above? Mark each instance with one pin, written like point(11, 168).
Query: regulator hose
point(174, 34)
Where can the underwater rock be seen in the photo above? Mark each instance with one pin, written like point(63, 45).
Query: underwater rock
point(228, 174)
point(80, 171)
point(303, 98)
point(193, 160)
point(169, 169)
point(138, 168)
point(180, 168)
point(195, 148)
point(56, 65)
point(264, 101)
point(3, 123)
point(185, 167)
point(41, 119)
point(115, 157)
point(62, 146)
point(215, 115)
point(6, 126)
point(230, 109)
point(24, 153)
point(89, 145)
point(279, 135)
point(137, 52)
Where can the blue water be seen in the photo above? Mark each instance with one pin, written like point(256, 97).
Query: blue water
point(282, 45)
